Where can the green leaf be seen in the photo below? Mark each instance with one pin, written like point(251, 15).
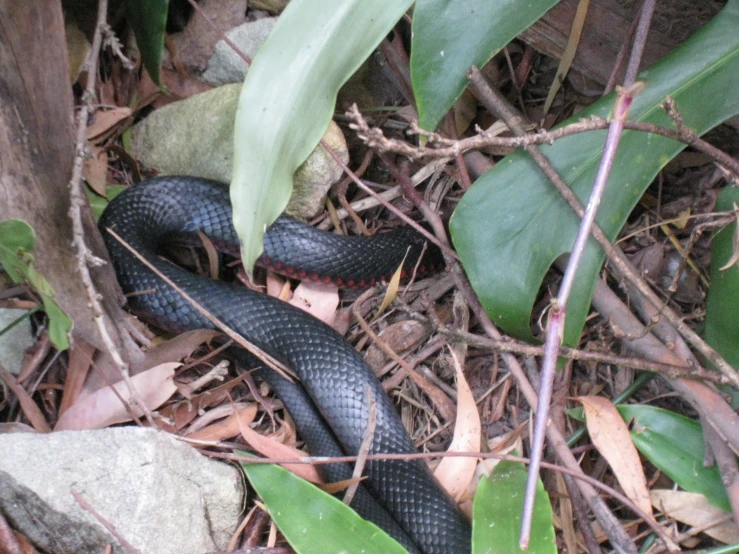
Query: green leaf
point(675, 445)
point(496, 514)
point(312, 520)
point(288, 100)
point(98, 203)
point(17, 240)
point(511, 225)
point(450, 36)
point(721, 328)
point(148, 19)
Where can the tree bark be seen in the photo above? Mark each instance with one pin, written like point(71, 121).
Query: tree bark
point(36, 157)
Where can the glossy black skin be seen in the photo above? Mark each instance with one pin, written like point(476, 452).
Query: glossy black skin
point(330, 407)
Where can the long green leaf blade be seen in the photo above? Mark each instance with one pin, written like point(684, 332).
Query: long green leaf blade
point(675, 445)
point(496, 514)
point(17, 241)
point(511, 225)
point(148, 19)
point(721, 329)
point(288, 99)
point(312, 520)
point(450, 36)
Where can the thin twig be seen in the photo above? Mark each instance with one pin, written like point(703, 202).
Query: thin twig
point(444, 247)
point(85, 258)
point(645, 21)
point(621, 265)
point(104, 522)
point(443, 404)
point(557, 314)
point(440, 146)
point(364, 448)
point(8, 542)
point(525, 349)
point(320, 460)
point(263, 356)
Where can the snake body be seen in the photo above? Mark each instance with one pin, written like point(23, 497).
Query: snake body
point(411, 506)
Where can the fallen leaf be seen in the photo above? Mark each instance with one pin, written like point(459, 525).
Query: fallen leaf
point(392, 289)
point(228, 427)
point(570, 50)
point(78, 369)
point(278, 286)
point(318, 299)
point(735, 250)
point(105, 122)
point(103, 407)
point(183, 412)
point(77, 49)
point(95, 169)
point(401, 336)
point(694, 509)
point(176, 348)
point(456, 473)
point(28, 406)
point(272, 449)
point(682, 219)
point(611, 437)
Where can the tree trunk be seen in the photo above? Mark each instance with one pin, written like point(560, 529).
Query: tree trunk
point(37, 154)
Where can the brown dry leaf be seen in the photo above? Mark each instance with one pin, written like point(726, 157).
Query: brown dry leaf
point(103, 407)
point(401, 336)
point(455, 474)
point(226, 428)
point(95, 169)
point(272, 449)
point(78, 368)
point(569, 52)
point(183, 412)
point(176, 348)
point(318, 299)
point(735, 243)
point(611, 437)
point(278, 286)
point(465, 111)
point(682, 219)
point(29, 407)
point(105, 122)
point(339, 486)
point(694, 509)
point(77, 49)
point(392, 290)
point(508, 443)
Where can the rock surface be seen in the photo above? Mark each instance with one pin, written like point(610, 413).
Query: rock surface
point(195, 137)
point(226, 65)
point(14, 342)
point(160, 494)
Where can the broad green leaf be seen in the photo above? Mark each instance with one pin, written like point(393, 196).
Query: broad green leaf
point(496, 514)
point(98, 203)
point(288, 100)
point(148, 19)
point(511, 225)
point(312, 520)
point(450, 36)
point(721, 328)
point(674, 444)
point(17, 240)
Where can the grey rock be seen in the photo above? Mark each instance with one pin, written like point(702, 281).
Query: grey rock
point(314, 178)
point(190, 137)
point(160, 494)
point(195, 137)
point(14, 342)
point(226, 65)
